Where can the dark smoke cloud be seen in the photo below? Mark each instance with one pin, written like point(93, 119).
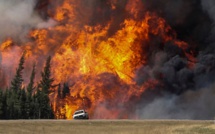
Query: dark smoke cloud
point(208, 7)
point(187, 93)
point(190, 20)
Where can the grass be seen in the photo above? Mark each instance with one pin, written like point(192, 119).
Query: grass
point(106, 127)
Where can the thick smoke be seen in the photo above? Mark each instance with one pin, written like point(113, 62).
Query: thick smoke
point(189, 18)
point(190, 105)
point(187, 92)
point(208, 6)
point(17, 17)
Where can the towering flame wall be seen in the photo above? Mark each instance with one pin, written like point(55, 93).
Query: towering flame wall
point(118, 58)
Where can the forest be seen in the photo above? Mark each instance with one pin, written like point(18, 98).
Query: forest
point(30, 102)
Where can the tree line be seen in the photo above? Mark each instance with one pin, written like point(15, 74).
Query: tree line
point(30, 102)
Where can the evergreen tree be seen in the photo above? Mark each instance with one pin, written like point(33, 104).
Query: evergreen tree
point(30, 86)
point(4, 107)
point(10, 104)
point(45, 110)
point(16, 83)
point(14, 95)
point(18, 103)
point(29, 101)
point(35, 106)
point(22, 100)
point(46, 82)
point(1, 104)
point(44, 106)
point(28, 106)
point(16, 114)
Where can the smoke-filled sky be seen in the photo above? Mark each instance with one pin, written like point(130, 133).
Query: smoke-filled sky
point(17, 17)
point(194, 99)
point(187, 93)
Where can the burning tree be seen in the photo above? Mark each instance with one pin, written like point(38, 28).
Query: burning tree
point(119, 56)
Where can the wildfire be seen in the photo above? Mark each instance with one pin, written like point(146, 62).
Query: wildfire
point(99, 67)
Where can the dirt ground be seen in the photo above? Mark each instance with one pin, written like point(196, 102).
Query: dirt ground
point(106, 127)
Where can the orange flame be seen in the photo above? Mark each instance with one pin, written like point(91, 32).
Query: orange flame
point(100, 68)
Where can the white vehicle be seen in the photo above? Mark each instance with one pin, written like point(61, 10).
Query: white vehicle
point(80, 114)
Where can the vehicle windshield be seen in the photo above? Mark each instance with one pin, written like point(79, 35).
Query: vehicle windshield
point(79, 112)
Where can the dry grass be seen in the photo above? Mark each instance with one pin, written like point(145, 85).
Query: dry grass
point(106, 127)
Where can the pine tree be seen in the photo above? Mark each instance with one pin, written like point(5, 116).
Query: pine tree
point(22, 100)
point(35, 106)
point(46, 82)
point(4, 102)
point(45, 107)
point(16, 114)
point(14, 104)
point(30, 86)
point(28, 106)
point(10, 104)
point(45, 110)
point(1, 104)
point(16, 83)
point(29, 101)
